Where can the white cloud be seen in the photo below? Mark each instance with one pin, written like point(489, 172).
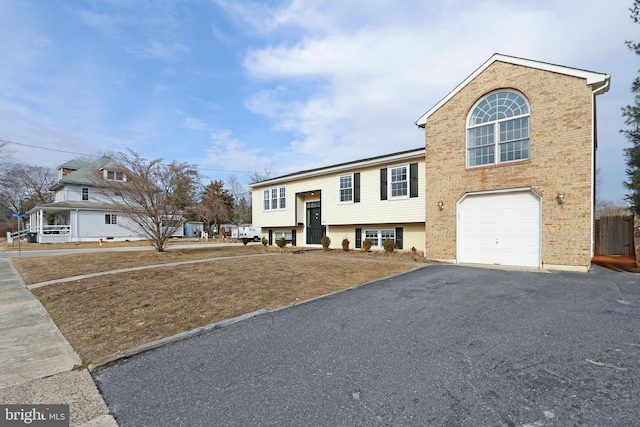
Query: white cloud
point(357, 74)
point(150, 30)
point(227, 152)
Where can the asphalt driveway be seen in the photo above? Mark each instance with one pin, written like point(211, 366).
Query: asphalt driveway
point(440, 346)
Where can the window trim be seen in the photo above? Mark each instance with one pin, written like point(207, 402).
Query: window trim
point(352, 188)
point(496, 130)
point(390, 182)
point(274, 198)
point(116, 175)
point(84, 194)
point(379, 232)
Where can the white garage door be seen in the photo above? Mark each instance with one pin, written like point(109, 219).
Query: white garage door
point(502, 228)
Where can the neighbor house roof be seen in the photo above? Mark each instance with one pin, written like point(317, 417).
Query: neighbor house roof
point(85, 173)
point(598, 81)
point(401, 155)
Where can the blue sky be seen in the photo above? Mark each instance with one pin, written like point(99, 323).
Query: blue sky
point(239, 86)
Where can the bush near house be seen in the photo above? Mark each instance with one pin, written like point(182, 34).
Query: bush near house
point(389, 245)
point(326, 242)
point(281, 242)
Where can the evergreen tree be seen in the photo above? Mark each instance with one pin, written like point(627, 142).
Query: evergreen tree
point(631, 115)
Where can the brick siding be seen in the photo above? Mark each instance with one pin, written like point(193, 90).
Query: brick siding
point(560, 159)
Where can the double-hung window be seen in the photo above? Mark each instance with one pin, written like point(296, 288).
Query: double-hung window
point(498, 129)
point(399, 183)
point(266, 199)
point(346, 188)
point(85, 193)
point(274, 198)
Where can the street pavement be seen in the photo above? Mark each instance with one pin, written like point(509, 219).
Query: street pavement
point(444, 345)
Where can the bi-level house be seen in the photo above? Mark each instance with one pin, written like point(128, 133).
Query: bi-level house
point(510, 162)
point(81, 210)
point(509, 176)
point(377, 198)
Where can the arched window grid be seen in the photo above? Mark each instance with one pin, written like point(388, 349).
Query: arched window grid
point(499, 123)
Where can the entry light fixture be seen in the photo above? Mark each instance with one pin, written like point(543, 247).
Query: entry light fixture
point(440, 204)
point(561, 197)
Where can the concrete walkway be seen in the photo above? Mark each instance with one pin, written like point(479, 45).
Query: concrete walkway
point(36, 361)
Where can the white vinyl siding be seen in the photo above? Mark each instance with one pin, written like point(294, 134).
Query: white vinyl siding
point(370, 209)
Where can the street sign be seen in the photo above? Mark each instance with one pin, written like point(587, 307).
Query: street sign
point(19, 215)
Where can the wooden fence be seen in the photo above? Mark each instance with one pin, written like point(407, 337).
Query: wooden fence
point(614, 235)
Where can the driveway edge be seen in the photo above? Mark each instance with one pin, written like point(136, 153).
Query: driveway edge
point(172, 339)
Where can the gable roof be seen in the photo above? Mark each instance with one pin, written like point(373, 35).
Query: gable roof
point(598, 81)
point(341, 167)
point(84, 173)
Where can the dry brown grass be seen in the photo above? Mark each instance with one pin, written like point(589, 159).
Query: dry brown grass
point(42, 269)
point(110, 313)
point(24, 246)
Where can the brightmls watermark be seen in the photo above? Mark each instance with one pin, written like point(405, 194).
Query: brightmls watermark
point(34, 415)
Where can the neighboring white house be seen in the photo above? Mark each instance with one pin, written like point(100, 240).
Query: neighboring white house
point(81, 211)
point(377, 198)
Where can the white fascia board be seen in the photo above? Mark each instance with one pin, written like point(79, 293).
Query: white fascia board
point(342, 167)
point(596, 79)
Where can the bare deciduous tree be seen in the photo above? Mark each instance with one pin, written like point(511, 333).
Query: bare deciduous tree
point(152, 195)
point(24, 186)
point(257, 176)
point(242, 202)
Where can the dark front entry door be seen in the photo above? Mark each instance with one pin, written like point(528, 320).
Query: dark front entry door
point(314, 224)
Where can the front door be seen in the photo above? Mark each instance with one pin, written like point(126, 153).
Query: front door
point(314, 224)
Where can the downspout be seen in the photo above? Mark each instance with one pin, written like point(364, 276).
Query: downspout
point(594, 146)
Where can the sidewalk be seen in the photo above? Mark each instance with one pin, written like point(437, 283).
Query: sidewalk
point(36, 361)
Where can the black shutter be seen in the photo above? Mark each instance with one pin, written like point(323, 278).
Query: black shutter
point(413, 183)
point(293, 237)
point(270, 237)
point(358, 238)
point(356, 187)
point(399, 238)
point(383, 184)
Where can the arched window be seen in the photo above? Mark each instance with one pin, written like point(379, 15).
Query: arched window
point(499, 123)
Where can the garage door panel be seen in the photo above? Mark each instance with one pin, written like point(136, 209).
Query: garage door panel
point(500, 228)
